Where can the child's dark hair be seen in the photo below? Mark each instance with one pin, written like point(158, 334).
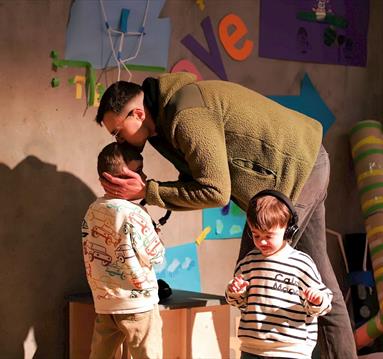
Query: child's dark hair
point(114, 156)
point(267, 212)
point(115, 98)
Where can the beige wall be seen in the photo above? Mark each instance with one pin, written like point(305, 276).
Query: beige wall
point(49, 147)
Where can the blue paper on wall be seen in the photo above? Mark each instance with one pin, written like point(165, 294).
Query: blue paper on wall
point(225, 222)
point(87, 38)
point(309, 103)
point(180, 268)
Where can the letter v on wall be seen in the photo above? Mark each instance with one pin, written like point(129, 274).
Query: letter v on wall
point(212, 58)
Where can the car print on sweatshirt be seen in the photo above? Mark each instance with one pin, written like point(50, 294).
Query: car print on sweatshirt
point(110, 236)
point(96, 251)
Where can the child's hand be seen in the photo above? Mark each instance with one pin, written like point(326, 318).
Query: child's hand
point(238, 285)
point(314, 296)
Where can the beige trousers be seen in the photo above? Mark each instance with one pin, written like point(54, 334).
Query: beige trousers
point(142, 332)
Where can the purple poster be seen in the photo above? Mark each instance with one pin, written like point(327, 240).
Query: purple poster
point(325, 31)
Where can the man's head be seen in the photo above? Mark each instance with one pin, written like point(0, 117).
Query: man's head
point(124, 115)
point(271, 218)
point(115, 158)
point(116, 97)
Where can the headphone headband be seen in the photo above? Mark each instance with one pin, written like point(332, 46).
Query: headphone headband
point(292, 227)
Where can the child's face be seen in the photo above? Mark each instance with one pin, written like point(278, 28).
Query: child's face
point(269, 242)
point(137, 166)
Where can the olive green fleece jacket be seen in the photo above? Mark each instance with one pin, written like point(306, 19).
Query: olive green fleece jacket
point(228, 142)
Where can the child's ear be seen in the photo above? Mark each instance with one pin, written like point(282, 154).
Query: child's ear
point(139, 112)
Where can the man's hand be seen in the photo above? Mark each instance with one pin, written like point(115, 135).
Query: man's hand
point(313, 296)
point(238, 285)
point(131, 187)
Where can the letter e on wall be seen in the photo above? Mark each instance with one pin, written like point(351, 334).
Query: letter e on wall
point(230, 37)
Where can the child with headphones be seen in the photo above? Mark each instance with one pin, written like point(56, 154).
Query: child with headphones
point(277, 288)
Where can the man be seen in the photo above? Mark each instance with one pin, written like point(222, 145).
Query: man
point(229, 142)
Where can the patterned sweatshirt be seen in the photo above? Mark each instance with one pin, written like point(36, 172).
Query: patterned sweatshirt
point(276, 320)
point(120, 247)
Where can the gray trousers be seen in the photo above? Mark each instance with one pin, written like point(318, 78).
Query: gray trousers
point(335, 336)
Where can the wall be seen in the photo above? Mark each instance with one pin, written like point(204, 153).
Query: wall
point(49, 144)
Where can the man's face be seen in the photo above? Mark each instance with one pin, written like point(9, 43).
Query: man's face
point(128, 125)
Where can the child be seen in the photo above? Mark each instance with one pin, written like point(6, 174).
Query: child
point(120, 246)
point(277, 288)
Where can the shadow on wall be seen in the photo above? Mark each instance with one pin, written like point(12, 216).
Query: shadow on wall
point(41, 255)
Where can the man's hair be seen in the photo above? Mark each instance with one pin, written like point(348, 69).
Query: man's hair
point(115, 156)
point(115, 98)
point(268, 212)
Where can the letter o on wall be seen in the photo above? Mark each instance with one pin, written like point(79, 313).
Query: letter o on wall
point(229, 38)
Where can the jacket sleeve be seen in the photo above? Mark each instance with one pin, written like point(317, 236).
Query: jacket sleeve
point(145, 241)
point(198, 134)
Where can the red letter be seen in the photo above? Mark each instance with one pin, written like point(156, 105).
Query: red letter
point(229, 40)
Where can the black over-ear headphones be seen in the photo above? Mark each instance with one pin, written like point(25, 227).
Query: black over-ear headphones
point(292, 227)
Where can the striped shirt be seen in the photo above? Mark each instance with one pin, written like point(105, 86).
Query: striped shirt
point(276, 319)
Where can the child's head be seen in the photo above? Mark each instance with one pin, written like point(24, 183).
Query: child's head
point(271, 219)
point(115, 157)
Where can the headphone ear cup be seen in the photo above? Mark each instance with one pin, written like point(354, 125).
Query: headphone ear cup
point(291, 231)
point(288, 233)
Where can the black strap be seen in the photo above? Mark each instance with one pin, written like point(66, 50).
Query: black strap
point(162, 220)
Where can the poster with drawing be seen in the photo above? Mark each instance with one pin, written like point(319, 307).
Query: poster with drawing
point(125, 31)
point(324, 31)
